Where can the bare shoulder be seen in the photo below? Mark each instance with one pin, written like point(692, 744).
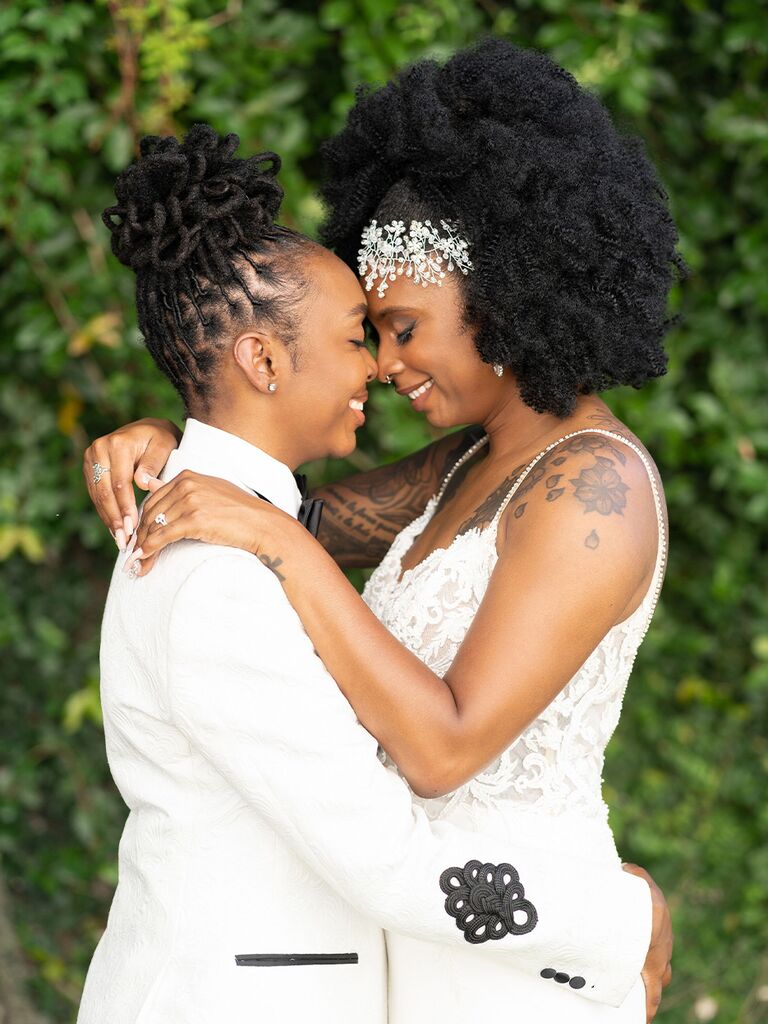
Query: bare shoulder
point(597, 490)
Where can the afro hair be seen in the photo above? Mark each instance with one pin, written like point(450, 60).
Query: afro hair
point(571, 238)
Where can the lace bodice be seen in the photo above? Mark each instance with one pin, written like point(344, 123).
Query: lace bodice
point(556, 764)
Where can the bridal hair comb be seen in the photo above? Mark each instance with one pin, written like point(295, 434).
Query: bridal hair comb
point(421, 253)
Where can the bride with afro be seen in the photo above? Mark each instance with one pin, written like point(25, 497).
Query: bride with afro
point(516, 252)
point(573, 244)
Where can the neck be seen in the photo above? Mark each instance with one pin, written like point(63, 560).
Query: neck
point(514, 429)
point(259, 431)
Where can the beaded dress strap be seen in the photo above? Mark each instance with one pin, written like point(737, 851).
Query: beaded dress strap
point(661, 553)
point(457, 465)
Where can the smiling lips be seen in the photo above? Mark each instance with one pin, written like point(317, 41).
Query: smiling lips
point(420, 390)
point(357, 406)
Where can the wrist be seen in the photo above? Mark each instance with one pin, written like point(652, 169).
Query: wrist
point(276, 537)
point(300, 554)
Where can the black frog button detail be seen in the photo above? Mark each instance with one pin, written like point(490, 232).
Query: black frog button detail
point(484, 899)
point(562, 978)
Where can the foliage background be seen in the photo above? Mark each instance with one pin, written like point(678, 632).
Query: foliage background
point(79, 82)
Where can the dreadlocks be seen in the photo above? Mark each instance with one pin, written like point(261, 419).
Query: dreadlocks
point(196, 225)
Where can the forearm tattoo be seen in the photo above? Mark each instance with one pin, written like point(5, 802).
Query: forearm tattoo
point(273, 564)
point(363, 514)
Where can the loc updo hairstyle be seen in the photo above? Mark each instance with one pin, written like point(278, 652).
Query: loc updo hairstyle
point(196, 224)
point(572, 243)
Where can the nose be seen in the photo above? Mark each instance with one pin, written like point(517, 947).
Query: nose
point(371, 367)
point(389, 363)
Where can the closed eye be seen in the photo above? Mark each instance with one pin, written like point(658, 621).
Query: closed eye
point(405, 335)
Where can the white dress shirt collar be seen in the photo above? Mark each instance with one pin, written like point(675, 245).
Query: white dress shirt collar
point(214, 452)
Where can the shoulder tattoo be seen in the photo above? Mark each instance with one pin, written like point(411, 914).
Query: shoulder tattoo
point(598, 487)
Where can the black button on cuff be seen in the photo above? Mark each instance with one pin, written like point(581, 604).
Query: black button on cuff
point(577, 983)
point(548, 972)
point(561, 978)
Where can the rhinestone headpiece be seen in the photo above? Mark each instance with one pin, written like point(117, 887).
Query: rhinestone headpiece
point(422, 253)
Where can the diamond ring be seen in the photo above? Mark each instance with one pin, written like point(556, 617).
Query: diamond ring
point(160, 519)
point(99, 471)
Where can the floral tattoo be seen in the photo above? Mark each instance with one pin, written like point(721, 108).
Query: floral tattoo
point(601, 489)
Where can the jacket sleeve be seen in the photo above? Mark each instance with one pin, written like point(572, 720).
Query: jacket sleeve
point(252, 697)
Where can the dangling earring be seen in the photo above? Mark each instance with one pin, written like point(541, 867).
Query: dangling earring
point(272, 387)
point(498, 369)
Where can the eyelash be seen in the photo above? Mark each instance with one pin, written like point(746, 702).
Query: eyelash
point(357, 343)
point(404, 336)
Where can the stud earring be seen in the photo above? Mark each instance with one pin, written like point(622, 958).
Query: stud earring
point(498, 369)
point(272, 387)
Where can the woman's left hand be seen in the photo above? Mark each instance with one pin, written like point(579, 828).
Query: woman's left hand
point(197, 507)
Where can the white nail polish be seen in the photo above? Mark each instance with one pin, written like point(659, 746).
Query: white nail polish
point(122, 543)
point(128, 524)
point(133, 563)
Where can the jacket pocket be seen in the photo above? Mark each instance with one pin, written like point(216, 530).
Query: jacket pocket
point(292, 959)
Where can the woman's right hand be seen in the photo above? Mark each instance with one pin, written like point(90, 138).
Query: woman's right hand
point(136, 452)
point(657, 969)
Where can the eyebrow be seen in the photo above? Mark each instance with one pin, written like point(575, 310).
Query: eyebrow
point(360, 310)
point(389, 310)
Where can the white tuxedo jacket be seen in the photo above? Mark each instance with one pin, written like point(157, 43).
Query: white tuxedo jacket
point(266, 846)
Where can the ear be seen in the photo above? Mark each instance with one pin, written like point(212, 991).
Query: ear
point(261, 358)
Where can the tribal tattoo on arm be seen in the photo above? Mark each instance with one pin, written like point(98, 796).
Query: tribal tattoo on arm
point(364, 513)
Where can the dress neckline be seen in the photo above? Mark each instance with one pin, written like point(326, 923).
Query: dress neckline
point(402, 576)
point(429, 512)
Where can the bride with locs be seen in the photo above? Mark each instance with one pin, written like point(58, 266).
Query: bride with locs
point(517, 253)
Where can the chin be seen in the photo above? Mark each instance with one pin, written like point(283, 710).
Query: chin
point(441, 420)
point(344, 448)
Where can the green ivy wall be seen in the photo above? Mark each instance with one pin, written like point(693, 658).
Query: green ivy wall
point(79, 82)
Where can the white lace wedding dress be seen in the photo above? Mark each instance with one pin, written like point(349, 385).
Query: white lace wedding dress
point(552, 771)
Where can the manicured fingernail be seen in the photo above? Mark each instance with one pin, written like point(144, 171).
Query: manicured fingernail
point(145, 480)
point(122, 543)
point(128, 524)
point(133, 564)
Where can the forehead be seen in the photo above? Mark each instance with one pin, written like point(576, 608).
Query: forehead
point(336, 284)
point(403, 294)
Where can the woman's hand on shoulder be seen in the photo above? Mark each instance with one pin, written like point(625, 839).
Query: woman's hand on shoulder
point(136, 452)
point(193, 506)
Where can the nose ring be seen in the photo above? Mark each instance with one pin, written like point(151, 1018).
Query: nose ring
point(388, 379)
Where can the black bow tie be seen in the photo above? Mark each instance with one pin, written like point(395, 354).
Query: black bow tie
point(311, 509)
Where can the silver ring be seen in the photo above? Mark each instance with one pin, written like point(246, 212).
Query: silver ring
point(99, 471)
point(160, 519)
